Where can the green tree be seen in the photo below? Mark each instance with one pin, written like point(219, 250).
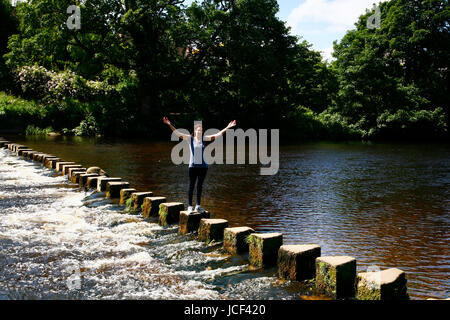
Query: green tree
point(213, 60)
point(8, 26)
point(44, 38)
point(393, 81)
point(250, 66)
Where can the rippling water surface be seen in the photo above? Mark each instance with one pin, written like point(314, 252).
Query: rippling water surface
point(385, 204)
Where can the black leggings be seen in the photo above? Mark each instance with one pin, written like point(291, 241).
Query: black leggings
point(195, 173)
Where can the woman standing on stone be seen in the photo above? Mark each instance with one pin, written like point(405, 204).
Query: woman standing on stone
point(197, 165)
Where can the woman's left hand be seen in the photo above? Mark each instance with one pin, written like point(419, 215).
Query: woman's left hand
point(231, 124)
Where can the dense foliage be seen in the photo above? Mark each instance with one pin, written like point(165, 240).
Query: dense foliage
point(8, 26)
point(134, 61)
point(393, 81)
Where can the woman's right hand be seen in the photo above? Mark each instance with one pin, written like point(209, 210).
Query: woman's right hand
point(166, 121)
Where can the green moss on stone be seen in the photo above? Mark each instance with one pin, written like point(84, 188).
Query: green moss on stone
point(162, 215)
point(130, 204)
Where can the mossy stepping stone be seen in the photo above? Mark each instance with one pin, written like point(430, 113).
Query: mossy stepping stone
point(125, 194)
point(137, 199)
point(150, 206)
point(235, 239)
point(263, 248)
point(211, 229)
point(113, 188)
point(388, 284)
point(169, 212)
point(298, 262)
point(335, 276)
point(190, 222)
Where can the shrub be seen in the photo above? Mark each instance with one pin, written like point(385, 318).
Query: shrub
point(53, 87)
point(326, 125)
point(36, 131)
point(87, 127)
point(337, 127)
point(417, 124)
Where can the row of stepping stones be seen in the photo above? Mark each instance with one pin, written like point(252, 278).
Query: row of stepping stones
point(335, 276)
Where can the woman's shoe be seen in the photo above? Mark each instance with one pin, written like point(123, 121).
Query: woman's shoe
point(199, 209)
point(190, 209)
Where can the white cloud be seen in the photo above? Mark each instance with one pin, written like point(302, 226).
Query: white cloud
point(326, 53)
point(335, 15)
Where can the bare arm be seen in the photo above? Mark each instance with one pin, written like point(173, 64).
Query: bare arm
point(221, 133)
point(178, 133)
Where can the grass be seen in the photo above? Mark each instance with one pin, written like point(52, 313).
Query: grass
point(32, 130)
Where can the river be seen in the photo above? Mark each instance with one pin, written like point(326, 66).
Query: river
point(387, 205)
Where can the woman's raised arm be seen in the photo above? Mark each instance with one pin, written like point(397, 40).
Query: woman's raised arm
point(221, 133)
point(178, 133)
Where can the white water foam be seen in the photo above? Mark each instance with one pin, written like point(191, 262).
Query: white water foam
point(62, 243)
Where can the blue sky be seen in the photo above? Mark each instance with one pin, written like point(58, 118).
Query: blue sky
point(320, 22)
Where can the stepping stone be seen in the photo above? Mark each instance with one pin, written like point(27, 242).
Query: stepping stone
point(42, 158)
point(45, 158)
point(263, 248)
point(125, 194)
point(190, 222)
point(92, 182)
point(388, 284)
point(137, 199)
point(82, 181)
point(66, 167)
point(235, 239)
point(51, 162)
point(19, 147)
point(71, 170)
point(21, 151)
point(37, 155)
point(61, 164)
point(298, 262)
point(31, 154)
point(113, 188)
point(336, 275)
point(102, 180)
point(169, 212)
point(150, 206)
point(211, 230)
point(75, 176)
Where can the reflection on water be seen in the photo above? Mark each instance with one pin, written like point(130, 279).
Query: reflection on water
point(385, 204)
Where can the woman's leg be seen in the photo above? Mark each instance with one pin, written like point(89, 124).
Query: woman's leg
point(201, 177)
point(192, 178)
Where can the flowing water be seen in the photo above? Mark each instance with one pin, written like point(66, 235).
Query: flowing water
point(387, 205)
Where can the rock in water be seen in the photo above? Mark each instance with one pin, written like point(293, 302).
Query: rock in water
point(97, 170)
